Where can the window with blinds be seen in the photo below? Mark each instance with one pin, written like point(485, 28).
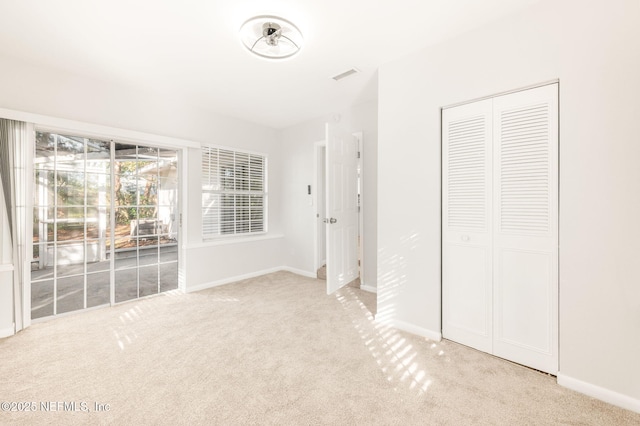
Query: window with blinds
point(233, 192)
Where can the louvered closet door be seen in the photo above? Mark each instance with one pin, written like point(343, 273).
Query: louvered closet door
point(467, 266)
point(525, 240)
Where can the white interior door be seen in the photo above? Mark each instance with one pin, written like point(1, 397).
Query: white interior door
point(466, 230)
point(341, 208)
point(525, 239)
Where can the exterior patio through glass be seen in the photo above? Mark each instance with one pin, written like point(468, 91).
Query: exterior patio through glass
point(105, 223)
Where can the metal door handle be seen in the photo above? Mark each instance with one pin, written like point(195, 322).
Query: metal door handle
point(331, 220)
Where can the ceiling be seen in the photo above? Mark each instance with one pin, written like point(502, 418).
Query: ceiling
point(189, 49)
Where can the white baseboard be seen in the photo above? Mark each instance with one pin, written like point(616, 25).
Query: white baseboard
point(368, 288)
point(413, 329)
point(600, 393)
point(230, 280)
point(299, 272)
point(247, 276)
point(7, 332)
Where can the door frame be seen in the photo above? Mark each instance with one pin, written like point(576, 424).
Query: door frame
point(56, 124)
point(99, 133)
point(319, 148)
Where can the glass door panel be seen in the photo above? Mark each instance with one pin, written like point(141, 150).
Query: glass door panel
point(63, 217)
point(146, 201)
point(126, 222)
point(98, 294)
point(168, 219)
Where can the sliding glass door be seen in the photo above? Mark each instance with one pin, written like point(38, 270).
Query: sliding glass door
point(105, 226)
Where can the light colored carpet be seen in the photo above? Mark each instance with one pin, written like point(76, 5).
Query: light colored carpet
point(271, 350)
point(322, 273)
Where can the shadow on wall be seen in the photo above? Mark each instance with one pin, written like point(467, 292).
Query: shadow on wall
point(392, 276)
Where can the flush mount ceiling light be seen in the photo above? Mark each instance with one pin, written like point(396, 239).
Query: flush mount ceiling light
point(271, 37)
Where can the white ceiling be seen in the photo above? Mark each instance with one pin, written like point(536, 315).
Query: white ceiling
point(190, 49)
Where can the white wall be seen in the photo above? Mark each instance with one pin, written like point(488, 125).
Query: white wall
point(28, 88)
point(34, 89)
point(298, 216)
point(593, 48)
point(211, 263)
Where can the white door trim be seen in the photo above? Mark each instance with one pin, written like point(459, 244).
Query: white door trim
point(358, 136)
point(319, 213)
point(507, 92)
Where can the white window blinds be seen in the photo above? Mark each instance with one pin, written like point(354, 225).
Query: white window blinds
point(233, 192)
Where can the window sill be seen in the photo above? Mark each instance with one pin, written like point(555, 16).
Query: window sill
point(235, 240)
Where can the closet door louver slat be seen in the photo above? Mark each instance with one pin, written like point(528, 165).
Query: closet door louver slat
point(466, 173)
point(524, 171)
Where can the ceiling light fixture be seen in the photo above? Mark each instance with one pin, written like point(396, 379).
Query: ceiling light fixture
point(271, 37)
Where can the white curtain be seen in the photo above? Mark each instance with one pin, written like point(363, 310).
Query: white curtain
point(13, 152)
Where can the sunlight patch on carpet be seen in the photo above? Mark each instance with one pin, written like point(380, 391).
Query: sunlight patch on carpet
point(392, 352)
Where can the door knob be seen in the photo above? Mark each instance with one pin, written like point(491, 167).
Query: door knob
point(333, 220)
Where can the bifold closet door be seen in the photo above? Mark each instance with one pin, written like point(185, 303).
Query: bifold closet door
point(500, 226)
point(525, 228)
point(466, 236)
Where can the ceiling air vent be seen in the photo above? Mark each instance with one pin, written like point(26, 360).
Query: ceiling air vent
point(345, 74)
